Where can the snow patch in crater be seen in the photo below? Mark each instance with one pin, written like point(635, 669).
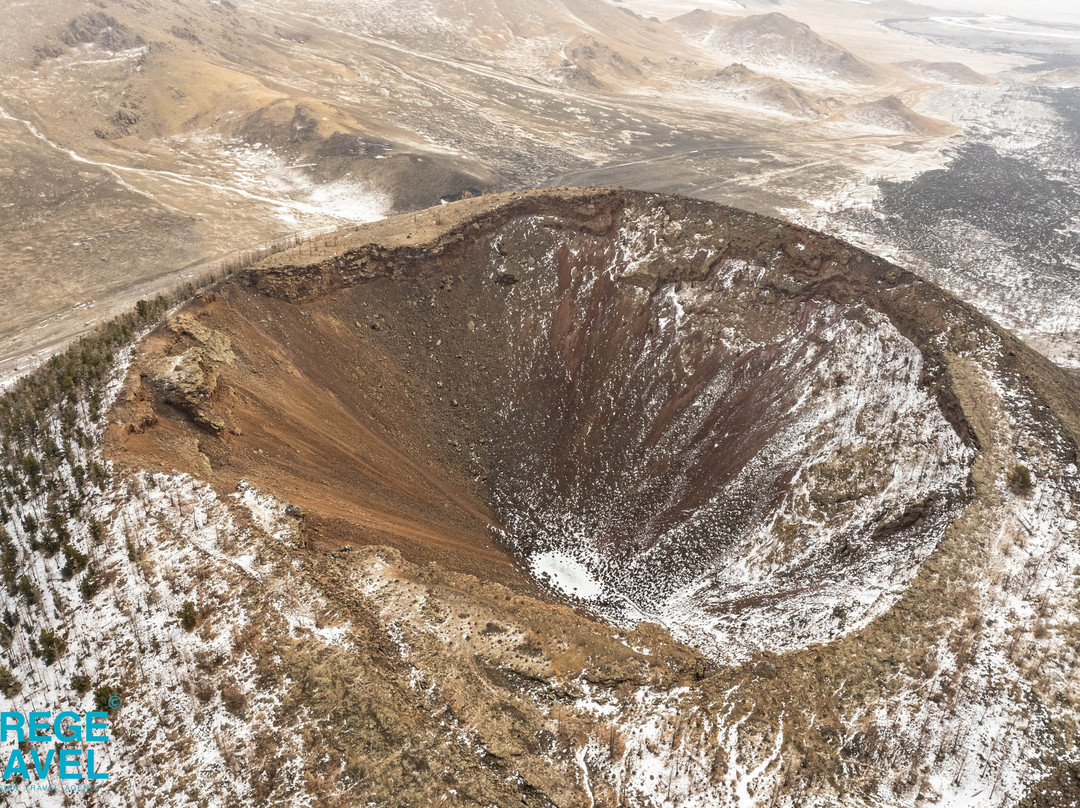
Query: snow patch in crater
point(564, 573)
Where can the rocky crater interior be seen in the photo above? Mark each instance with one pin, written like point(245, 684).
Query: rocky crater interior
point(656, 408)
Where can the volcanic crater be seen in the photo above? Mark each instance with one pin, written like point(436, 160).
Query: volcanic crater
point(652, 407)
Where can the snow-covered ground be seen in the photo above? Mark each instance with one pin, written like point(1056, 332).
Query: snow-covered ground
point(192, 702)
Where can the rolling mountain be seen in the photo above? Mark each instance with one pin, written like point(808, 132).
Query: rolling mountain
point(775, 43)
point(740, 84)
point(891, 115)
point(945, 72)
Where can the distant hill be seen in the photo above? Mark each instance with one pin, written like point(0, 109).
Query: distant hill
point(890, 114)
point(945, 72)
point(1059, 77)
point(775, 42)
point(739, 83)
point(486, 26)
point(590, 63)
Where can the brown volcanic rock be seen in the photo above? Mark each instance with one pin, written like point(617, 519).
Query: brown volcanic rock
point(645, 388)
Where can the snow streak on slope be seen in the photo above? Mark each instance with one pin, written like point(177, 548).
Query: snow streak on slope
point(875, 444)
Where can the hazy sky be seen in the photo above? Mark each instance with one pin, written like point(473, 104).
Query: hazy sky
point(1065, 11)
point(1056, 10)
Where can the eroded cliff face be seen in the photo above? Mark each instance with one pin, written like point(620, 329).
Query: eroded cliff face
point(741, 437)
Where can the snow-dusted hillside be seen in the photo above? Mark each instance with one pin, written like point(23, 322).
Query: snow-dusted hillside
point(775, 43)
point(778, 549)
